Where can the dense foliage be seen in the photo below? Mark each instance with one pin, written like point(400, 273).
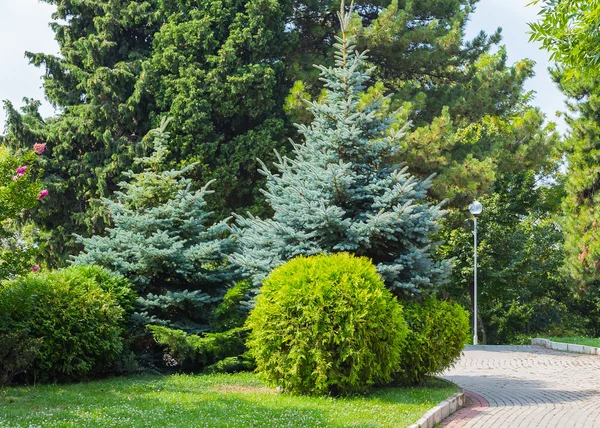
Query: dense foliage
point(217, 70)
point(472, 119)
point(341, 191)
point(568, 29)
point(163, 242)
point(103, 45)
point(521, 289)
point(77, 313)
point(326, 324)
point(437, 332)
point(222, 71)
point(20, 190)
point(18, 353)
point(212, 352)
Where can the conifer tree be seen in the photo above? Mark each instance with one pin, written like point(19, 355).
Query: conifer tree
point(582, 202)
point(339, 191)
point(162, 242)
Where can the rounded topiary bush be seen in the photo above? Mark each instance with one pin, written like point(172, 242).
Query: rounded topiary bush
point(326, 324)
point(78, 315)
point(437, 333)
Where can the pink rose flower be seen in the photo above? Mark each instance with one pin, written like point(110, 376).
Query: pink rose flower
point(42, 195)
point(35, 268)
point(39, 148)
point(16, 177)
point(21, 171)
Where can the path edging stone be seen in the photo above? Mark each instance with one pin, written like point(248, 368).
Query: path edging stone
point(440, 412)
point(569, 347)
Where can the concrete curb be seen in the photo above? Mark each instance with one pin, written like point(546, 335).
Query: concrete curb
point(569, 347)
point(441, 411)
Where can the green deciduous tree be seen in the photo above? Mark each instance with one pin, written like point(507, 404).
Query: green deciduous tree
point(520, 251)
point(568, 29)
point(341, 192)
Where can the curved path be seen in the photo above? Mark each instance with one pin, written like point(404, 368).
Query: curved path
point(526, 386)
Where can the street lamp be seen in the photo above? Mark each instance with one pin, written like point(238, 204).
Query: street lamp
point(475, 209)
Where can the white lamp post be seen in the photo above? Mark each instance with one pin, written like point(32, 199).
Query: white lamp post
point(475, 209)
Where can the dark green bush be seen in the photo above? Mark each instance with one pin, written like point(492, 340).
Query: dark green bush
point(326, 324)
point(194, 352)
point(18, 351)
point(437, 333)
point(78, 313)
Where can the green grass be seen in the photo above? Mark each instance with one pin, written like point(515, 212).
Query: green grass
point(587, 341)
point(238, 400)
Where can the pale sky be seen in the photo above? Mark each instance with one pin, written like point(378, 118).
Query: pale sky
point(24, 27)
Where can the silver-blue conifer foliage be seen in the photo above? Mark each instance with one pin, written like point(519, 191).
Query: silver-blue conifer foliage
point(341, 191)
point(163, 242)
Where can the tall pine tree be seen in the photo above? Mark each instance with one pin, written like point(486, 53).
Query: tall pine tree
point(582, 203)
point(339, 192)
point(163, 242)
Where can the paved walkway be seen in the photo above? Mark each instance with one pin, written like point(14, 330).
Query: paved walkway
point(525, 386)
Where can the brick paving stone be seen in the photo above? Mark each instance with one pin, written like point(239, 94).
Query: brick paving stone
point(526, 386)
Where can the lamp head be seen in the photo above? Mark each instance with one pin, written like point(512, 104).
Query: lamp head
point(475, 208)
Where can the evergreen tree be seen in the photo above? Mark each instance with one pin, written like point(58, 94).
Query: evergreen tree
point(162, 242)
point(582, 202)
point(102, 47)
point(341, 193)
point(215, 67)
point(472, 119)
point(217, 70)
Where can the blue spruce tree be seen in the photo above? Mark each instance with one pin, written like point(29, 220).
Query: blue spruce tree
point(341, 191)
point(162, 242)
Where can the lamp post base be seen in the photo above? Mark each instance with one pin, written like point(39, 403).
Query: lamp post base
point(474, 339)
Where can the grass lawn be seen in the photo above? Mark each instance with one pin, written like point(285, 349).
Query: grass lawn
point(238, 400)
point(587, 341)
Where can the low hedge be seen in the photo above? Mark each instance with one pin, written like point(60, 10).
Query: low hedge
point(437, 333)
point(77, 314)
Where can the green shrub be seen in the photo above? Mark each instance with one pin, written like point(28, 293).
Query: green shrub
point(326, 324)
point(77, 314)
point(437, 332)
point(194, 351)
point(18, 351)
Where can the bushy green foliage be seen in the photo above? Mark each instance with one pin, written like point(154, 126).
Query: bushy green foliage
point(326, 324)
point(77, 315)
point(18, 352)
point(520, 254)
point(196, 352)
point(437, 334)
point(568, 29)
point(342, 191)
point(19, 189)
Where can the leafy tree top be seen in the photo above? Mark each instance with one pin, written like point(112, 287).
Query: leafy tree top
point(568, 29)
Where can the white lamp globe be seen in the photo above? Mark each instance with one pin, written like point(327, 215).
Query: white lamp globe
point(475, 208)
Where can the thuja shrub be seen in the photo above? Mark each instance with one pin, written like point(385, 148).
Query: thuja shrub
point(78, 314)
point(326, 324)
point(437, 333)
